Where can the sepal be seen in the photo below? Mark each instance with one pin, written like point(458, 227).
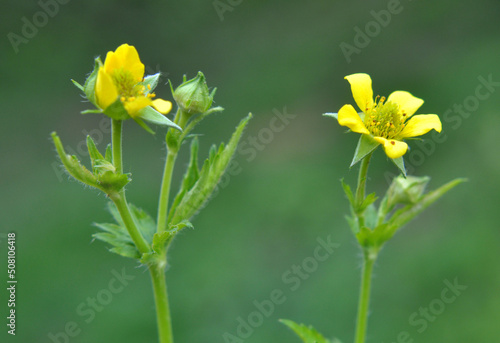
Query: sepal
point(366, 145)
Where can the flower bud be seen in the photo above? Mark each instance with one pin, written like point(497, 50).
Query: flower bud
point(407, 190)
point(193, 96)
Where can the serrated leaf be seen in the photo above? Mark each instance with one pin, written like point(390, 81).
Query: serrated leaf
point(407, 213)
point(400, 163)
point(366, 145)
point(370, 213)
point(353, 223)
point(93, 151)
point(117, 235)
point(348, 193)
point(370, 199)
point(151, 115)
point(73, 165)
point(210, 174)
point(190, 177)
point(307, 333)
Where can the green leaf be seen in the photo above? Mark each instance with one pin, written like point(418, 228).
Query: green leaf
point(400, 163)
point(190, 177)
point(151, 115)
point(348, 193)
point(370, 199)
point(117, 235)
point(109, 154)
point(161, 242)
point(407, 213)
point(93, 152)
point(210, 174)
point(307, 333)
point(366, 145)
point(151, 81)
point(353, 223)
point(73, 165)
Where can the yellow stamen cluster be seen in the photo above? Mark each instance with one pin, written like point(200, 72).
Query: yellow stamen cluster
point(128, 87)
point(384, 119)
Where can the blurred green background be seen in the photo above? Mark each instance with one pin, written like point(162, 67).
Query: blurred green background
point(263, 56)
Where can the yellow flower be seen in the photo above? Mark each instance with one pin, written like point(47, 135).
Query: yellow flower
point(387, 122)
point(120, 78)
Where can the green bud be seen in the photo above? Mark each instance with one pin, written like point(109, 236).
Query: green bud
point(193, 96)
point(407, 190)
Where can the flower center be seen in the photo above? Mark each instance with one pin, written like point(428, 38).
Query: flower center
point(127, 86)
point(384, 119)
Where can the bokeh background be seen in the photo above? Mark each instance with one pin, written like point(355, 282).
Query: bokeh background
point(264, 57)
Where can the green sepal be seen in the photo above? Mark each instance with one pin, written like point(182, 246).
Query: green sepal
point(190, 177)
point(116, 111)
point(151, 115)
point(91, 111)
point(210, 174)
point(79, 86)
point(74, 167)
point(117, 235)
point(89, 85)
point(366, 145)
point(152, 81)
point(333, 115)
point(308, 334)
point(400, 163)
point(143, 125)
point(104, 169)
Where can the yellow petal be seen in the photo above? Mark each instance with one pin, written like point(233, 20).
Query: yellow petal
point(408, 104)
point(112, 62)
point(137, 104)
point(130, 60)
point(349, 117)
point(421, 124)
point(162, 106)
point(392, 147)
point(361, 87)
point(105, 90)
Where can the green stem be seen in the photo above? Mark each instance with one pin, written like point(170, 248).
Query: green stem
point(116, 144)
point(122, 206)
point(364, 297)
point(165, 191)
point(119, 198)
point(180, 119)
point(363, 171)
point(161, 300)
